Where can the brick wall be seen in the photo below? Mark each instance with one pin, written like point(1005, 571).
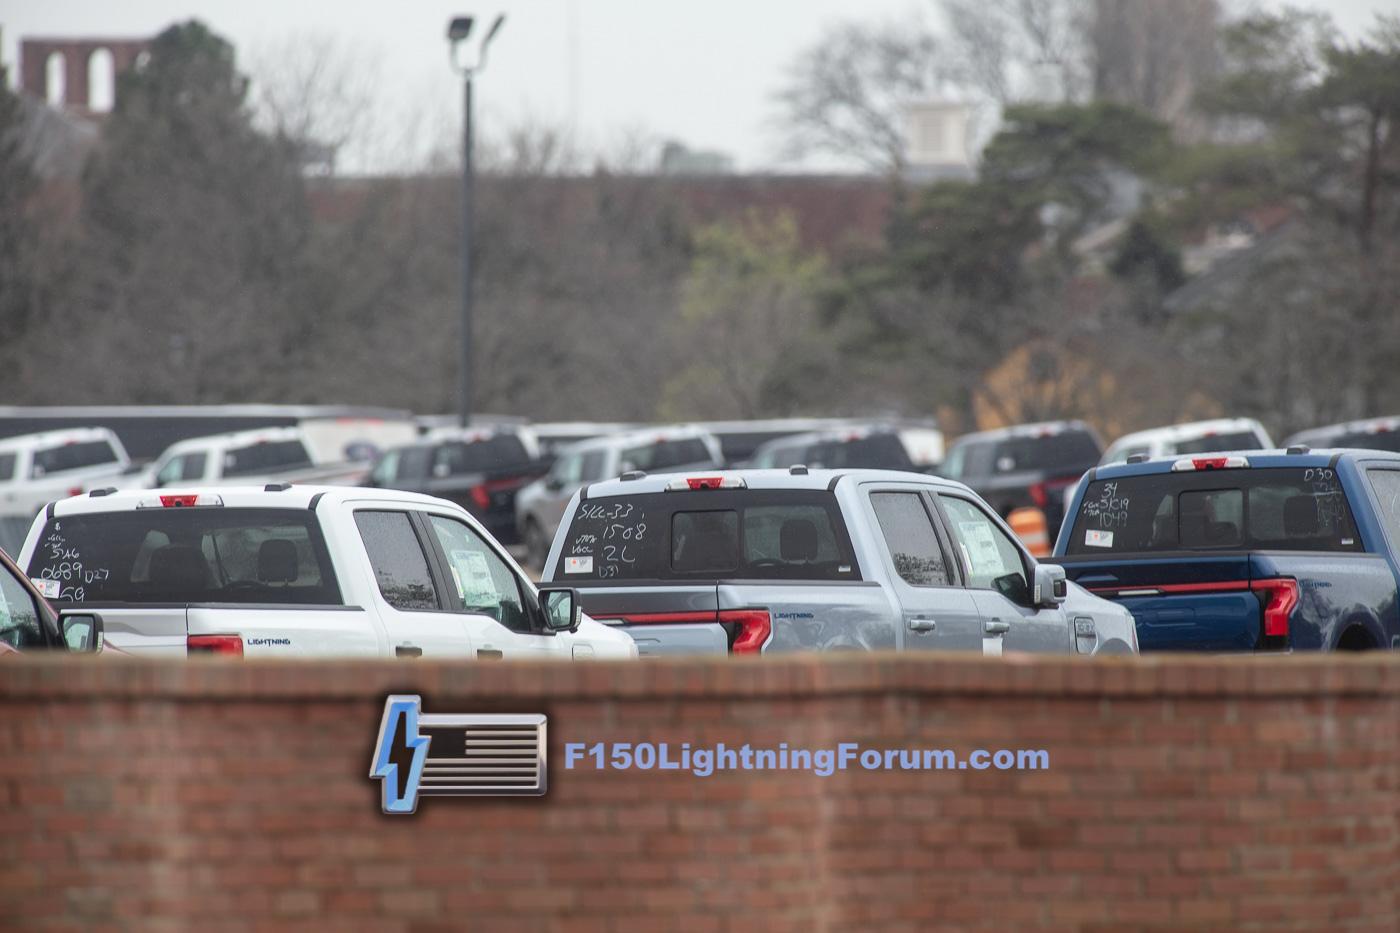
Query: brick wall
point(1182, 794)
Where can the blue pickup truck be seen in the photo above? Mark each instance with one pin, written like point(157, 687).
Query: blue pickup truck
point(1249, 551)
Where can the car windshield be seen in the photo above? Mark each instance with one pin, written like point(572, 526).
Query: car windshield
point(740, 534)
point(187, 555)
point(1287, 509)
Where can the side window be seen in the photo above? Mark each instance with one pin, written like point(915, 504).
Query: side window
point(978, 460)
point(567, 470)
point(413, 463)
point(991, 560)
point(400, 566)
point(485, 584)
point(593, 464)
point(194, 466)
point(1386, 484)
point(905, 523)
point(384, 471)
point(19, 617)
point(172, 472)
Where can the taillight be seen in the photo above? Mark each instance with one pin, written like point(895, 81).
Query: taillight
point(481, 497)
point(1279, 598)
point(752, 627)
point(75, 491)
point(1038, 495)
point(226, 645)
point(755, 625)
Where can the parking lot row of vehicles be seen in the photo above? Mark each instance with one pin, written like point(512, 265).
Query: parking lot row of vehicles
point(1261, 565)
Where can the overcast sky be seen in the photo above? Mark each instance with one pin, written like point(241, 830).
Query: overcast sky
point(700, 71)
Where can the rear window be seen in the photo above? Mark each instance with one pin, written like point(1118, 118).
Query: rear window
point(267, 457)
point(7, 467)
point(188, 555)
point(872, 452)
point(1380, 440)
point(499, 452)
point(664, 455)
point(739, 534)
point(72, 457)
point(1288, 509)
point(1242, 440)
point(1064, 452)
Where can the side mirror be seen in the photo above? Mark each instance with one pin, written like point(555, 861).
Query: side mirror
point(553, 483)
point(1051, 588)
point(82, 631)
point(562, 609)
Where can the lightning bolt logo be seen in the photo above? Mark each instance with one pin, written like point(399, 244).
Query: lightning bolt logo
point(400, 754)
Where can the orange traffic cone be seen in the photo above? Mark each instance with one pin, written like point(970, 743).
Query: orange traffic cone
point(1029, 525)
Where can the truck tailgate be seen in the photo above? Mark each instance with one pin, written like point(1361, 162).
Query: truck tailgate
point(662, 620)
point(152, 630)
point(1180, 601)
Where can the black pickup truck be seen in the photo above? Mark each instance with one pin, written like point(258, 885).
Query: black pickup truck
point(480, 470)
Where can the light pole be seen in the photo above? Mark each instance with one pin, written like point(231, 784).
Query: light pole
point(458, 29)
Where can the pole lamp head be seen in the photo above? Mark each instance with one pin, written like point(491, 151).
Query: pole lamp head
point(458, 28)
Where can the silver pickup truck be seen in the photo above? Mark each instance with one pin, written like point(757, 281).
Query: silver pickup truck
point(753, 561)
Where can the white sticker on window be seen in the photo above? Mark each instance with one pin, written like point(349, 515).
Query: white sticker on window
point(1096, 538)
point(578, 565)
point(49, 589)
point(981, 549)
point(474, 578)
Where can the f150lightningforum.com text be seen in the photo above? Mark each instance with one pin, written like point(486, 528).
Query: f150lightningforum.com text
point(705, 760)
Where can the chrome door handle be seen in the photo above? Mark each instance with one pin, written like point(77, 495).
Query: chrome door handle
point(997, 627)
point(922, 624)
point(408, 651)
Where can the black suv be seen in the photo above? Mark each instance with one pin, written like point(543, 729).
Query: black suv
point(1025, 465)
point(480, 469)
point(866, 448)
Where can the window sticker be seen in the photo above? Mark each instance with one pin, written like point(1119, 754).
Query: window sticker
point(981, 548)
point(47, 588)
point(578, 564)
point(1096, 538)
point(473, 577)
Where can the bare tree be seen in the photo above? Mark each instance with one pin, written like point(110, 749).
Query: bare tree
point(1014, 51)
point(1153, 55)
point(318, 92)
point(847, 95)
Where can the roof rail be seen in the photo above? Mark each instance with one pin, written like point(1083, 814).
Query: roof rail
point(277, 487)
point(1298, 449)
point(1136, 458)
point(798, 469)
point(632, 474)
point(104, 491)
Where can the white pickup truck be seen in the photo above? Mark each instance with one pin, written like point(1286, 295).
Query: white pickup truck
point(288, 571)
point(37, 468)
point(244, 458)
